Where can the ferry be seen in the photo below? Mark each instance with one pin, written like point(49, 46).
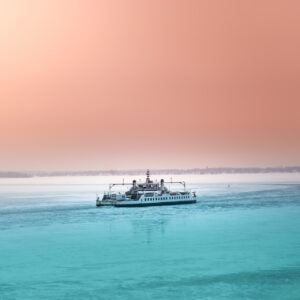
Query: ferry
point(148, 193)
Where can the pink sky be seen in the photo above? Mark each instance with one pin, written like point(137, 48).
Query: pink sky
point(137, 84)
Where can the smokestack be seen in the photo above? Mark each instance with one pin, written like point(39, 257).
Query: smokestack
point(162, 184)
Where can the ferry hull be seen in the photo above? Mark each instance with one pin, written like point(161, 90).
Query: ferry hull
point(155, 203)
point(105, 203)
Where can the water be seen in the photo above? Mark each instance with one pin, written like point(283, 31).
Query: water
point(237, 242)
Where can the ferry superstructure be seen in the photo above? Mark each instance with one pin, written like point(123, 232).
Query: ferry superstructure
point(148, 193)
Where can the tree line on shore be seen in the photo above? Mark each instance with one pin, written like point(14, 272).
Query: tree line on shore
point(221, 170)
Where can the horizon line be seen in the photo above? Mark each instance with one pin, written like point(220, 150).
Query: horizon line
point(200, 171)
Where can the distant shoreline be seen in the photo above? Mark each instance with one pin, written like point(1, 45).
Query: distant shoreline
point(195, 171)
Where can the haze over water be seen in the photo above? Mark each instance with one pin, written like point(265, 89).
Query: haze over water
point(240, 241)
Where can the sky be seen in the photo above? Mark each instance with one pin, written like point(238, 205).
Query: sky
point(149, 84)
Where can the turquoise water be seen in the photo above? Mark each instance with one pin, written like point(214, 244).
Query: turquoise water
point(237, 242)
